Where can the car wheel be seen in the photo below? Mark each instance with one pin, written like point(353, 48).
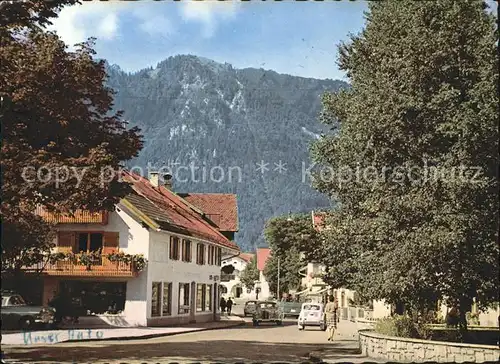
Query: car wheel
point(322, 327)
point(279, 323)
point(26, 323)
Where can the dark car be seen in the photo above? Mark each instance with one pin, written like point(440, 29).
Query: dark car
point(249, 308)
point(267, 311)
point(16, 313)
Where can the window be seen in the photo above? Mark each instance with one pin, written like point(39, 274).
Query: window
point(208, 298)
point(211, 254)
point(167, 299)
point(200, 297)
point(218, 256)
point(200, 254)
point(186, 250)
point(174, 248)
point(90, 242)
point(183, 298)
point(156, 299)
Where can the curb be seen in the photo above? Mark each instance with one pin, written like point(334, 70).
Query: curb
point(151, 336)
point(148, 336)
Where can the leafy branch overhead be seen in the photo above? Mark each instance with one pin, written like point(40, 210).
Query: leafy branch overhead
point(56, 113)
point(423, 99)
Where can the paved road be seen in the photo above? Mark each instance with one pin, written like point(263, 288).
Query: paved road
point(245, 343)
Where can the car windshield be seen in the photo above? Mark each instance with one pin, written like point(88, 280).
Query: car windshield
point(14, 301)
point(312, 307)
point(268, 305)
point(250, 303)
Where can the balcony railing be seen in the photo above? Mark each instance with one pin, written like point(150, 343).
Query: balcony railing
point(100, 266)
point(227, 277)
point(78, 217)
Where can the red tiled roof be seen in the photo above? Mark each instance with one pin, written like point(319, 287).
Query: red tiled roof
point(263, 255)
point(319, 220)
point(246, 256)
point(170, 211)
point(220, 208)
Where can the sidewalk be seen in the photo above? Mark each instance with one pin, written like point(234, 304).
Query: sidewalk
point(344, 348)
point(48, 337)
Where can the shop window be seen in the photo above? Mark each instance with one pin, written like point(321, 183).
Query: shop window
point(167, 299)
point(174, 248)
point(208, 298)
point(200, 254)
point(200, 297)
point(186, 250)
point(184, 298)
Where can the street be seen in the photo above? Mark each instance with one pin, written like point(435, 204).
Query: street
point(265, 343)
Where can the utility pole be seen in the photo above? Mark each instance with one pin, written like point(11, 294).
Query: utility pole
point(278, 293)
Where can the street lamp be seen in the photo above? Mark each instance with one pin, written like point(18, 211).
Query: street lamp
point(278, 290)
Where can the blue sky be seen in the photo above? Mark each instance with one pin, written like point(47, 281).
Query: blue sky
point(288, 37)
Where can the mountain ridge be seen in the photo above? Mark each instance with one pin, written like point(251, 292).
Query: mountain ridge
point(211, 124)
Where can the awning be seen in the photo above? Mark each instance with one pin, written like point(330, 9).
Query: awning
point(301, 292)
point(320, 291)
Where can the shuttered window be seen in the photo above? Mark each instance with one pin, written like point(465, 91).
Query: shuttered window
point(174, 248)
point(200, 254)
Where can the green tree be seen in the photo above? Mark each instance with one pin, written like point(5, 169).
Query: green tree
point(250, 274)
point(293, 241)
point(61, 145)
point(423, 100)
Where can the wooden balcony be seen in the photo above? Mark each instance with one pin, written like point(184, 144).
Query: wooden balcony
point(78, 217)
point(227, 277)
point(101, 267)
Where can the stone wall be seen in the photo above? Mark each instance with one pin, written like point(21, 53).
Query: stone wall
point(404, 349)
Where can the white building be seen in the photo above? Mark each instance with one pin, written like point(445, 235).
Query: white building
point(231, 285)
point(183, 249)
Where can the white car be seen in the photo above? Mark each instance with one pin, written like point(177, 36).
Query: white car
point(312, 314)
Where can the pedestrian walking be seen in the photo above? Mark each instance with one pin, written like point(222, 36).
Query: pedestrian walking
point(331, 311)
point(229, 305)
point(222, 304)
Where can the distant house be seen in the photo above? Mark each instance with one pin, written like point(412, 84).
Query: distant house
point(263, 255)
point(181, 280)
point(231, 285)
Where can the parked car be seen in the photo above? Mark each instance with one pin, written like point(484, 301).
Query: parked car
point(290, 308)
point(312, 314)
point(16, 313)
point(249, 308)
point(267, 311)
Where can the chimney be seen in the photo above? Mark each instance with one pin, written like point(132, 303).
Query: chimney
point(154, 178)
point(167, 181)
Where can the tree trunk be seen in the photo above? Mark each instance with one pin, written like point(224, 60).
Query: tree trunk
point(462, 323)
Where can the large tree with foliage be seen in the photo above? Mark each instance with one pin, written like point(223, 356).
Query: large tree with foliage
point(60, 140)
point(293, 241)
point(250, 274)
point(413, 156)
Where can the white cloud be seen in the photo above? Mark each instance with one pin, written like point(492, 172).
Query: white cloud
point(152, 22)
point(77, 23)
point(208, 13)
point(108, 26)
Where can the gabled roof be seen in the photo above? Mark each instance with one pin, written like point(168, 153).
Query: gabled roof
point(247, 257)
point(163, 209)
point(263, 255)
point(220, 208)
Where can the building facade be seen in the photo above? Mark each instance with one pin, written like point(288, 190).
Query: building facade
point(231, 285)
point(154, 261)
